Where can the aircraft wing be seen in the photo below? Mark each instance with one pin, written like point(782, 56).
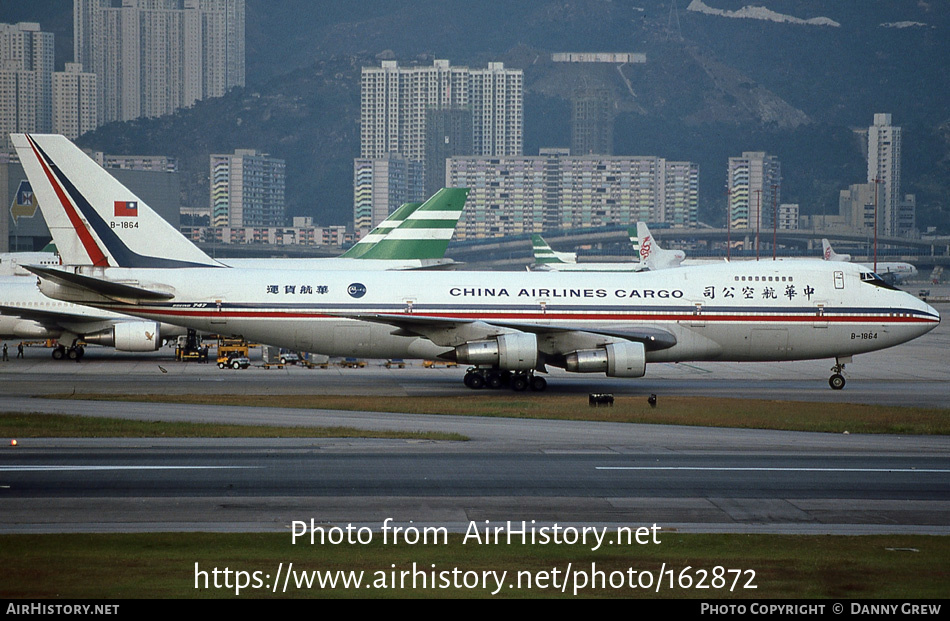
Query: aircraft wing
point(43, 316)
point(552, 339)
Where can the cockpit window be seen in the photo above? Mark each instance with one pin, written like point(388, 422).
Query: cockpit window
point(873, 279)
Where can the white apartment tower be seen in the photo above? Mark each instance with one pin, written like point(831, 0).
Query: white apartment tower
point(26, 69)
point(895, 217)
point(394, 102)
point(155, 56)
point(755, 187)
point(74, 101)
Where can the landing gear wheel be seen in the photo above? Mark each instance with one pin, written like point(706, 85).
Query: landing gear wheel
point(836, 381)
point(59, 353)
point(474, 381)
point(72, 353)
point(493, 380)
point(538, 383)
point(519, 383)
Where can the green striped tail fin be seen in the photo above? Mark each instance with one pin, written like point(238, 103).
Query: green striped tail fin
point(425, 233)
point(545, 255)
point(381, 231)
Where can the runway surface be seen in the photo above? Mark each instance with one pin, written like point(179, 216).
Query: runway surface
point(688, 479)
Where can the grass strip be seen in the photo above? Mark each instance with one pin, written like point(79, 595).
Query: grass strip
point(162, 565)
point(698, 411)
point(66, 426)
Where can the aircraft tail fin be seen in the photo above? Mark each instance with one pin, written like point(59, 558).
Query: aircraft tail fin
point(545, 255)
point(381, 231)
point(424, 233)
point(94, 219)
point(828, 254)
point(652, 255)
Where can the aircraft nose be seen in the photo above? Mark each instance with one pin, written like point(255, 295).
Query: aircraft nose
point(932, 312)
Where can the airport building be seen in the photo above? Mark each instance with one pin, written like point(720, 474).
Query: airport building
point(406, 111)
point(557, 190)
point(152, 57)
point(22, 227)
point(247, 189)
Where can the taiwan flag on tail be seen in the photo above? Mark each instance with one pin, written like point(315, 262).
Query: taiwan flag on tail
point(127, 208)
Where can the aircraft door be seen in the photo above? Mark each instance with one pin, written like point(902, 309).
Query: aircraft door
point(217, 316)
point(821, 321)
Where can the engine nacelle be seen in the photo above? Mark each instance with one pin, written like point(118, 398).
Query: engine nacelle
point(627, 359)
point(512, 352)
point(129, 336)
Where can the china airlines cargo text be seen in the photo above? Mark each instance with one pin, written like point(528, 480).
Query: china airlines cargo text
point(570, 579)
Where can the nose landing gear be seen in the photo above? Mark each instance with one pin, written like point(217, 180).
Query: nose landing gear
point(836, 381)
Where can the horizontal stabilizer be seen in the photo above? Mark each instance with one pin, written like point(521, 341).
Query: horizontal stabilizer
point(106, 288)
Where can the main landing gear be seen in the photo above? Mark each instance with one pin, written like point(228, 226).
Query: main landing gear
point(518, 381)
point(73, 353)
point(836, 381)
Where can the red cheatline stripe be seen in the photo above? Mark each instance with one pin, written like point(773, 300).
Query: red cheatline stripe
point(540, 316)
point(92, 248)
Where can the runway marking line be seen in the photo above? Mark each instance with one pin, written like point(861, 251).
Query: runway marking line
point(714, 469)
point(88, 468)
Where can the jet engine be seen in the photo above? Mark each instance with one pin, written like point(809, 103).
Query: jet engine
point(512, 352)
point(129, 336)
point(626, 359)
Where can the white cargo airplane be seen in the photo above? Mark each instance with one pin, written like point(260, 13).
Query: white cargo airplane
point(507, 324)
point(892, 272)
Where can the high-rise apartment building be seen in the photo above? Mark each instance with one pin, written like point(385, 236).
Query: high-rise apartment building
point(26, 69)
point(755, 186)
point(396, 105)
point(155, 56)
point(895, 215)
point(557, 190)
point(74, 101)
point(247, 189)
